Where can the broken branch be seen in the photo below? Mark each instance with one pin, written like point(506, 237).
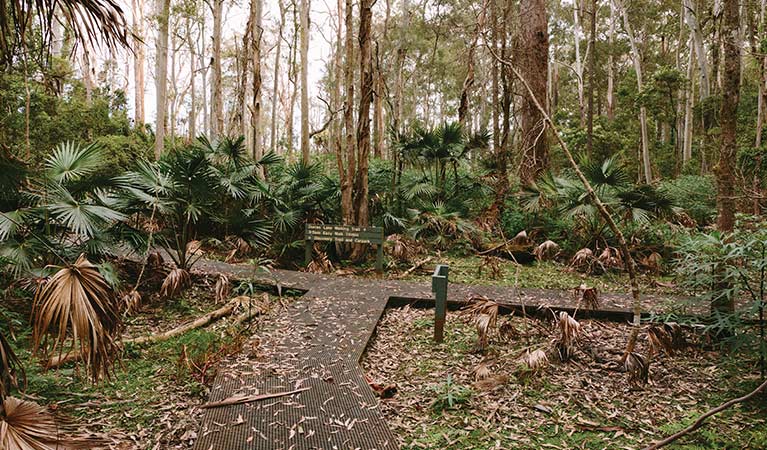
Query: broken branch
point(240, 399)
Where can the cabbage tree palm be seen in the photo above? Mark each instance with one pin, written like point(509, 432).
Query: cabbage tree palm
point(201, 186)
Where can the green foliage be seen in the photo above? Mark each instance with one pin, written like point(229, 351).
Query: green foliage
point(449, 395)
point(695, 195)
point(200, 188)
point(728, 270)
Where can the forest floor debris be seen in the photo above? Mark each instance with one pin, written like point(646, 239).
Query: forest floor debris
point(584, 403)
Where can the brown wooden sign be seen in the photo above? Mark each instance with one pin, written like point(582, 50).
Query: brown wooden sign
point(345, 233)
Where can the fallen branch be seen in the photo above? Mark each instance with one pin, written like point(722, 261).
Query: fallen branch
point(240, 399)
point(503, 244)
point(205, 320)
point(698, 423)
point(415, 267)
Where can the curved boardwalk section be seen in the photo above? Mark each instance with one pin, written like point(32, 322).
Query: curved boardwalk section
point(316, 344)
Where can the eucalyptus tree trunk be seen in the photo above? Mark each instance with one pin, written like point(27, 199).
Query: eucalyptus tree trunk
point(138, 61)
point(532, 51)
point(292, 76)
point(174, 89)
point(217, 116)
point(494, 36)
point(688, 104)
point(360, 194)
point(700, 47)
point(592, 76)
point(611, 63)
point(336, 128)
point(256, 33)
point(728, 115)
point(192, 79)
point(378, 119)
point(578, 64)
point(204, 73)
point(161, 75)
point(276, 81)
point(636, 59)
point(305, 81)
point(347, 173)
point(468, 81)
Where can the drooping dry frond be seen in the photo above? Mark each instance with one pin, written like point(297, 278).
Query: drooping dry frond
point(637, 367)
point(155, 260)
point(520, 239)
point(482, 371)
point(568, 333)
point(507, 331)
point(174, 283)
point(223, 288)
point(485, 316)
point(403, 249)
point(536, 360)
point(587, 296)
point(652, 262)
point(583, 259)
point(491, 264)
point(320, 264)
point(10, 368)
point(546, 251)
point(665, 338)
point(194, 248)
point(26, 425)
point(76, 311)
point(131, 302)
point(610, 258)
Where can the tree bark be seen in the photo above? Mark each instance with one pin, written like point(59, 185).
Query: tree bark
point(138, 61)
point(637, 60)
point(578, 29)
point(468, 81)
point(276, 81)
point(592, 77)
point(217, 116)
point(726, 205)
point(305, 81)
point(347, 173)
point(532, 53)
point(700, 47)
point(161, 75)
point(256, 33)
point(611, 65)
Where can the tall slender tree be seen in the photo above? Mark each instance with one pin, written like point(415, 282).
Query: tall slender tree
point(138, 61)
point(161, 72)
point(305, 81)
point(216, 93)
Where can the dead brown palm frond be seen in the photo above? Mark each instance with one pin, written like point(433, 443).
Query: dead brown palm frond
point(11, 371)
point(320, 264)
point(131, 302)
point(583, 259)
point(547, 250)
point(485, 315)
point(531, 363)
point(194, 248)
point(507, 332)
point(520, 239)
point(638, 368)
point(652, 263)
point(482, 371)
point(26, 425)
point(587, 296)
point(568, 335)
point(492, 382)
point(491, 264)
point(76, 311)
point(610, 258)
point(174, 283)
point(155, 260)
point(223, 288)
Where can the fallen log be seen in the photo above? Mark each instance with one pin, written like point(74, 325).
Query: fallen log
point(698, 423)
point(240, 399)
point(415, 267)
point(207, 319)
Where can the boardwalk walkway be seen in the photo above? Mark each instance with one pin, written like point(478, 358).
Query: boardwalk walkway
point(317, 344)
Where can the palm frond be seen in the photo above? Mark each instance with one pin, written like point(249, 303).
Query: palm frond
point(70, 161)
point(11, 371)
point(76, 311)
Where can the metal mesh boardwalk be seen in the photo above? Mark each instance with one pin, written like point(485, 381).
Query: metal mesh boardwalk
point(317, 344)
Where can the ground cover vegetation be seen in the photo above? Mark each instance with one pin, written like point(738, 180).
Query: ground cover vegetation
point(587, 147)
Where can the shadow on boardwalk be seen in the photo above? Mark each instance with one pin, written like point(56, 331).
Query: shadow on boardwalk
point(317, 344)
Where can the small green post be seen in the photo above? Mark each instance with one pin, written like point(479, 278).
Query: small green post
point(439, 288)
point(309, 244)
point(379, 255)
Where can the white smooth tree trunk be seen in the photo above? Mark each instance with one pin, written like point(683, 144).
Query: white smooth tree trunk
point(700, 47)
point(636, 59)
point(305, 81)
point(161, 75)
point(578, 60)
point(217, 122)
point(276, 81)
point(138, 61)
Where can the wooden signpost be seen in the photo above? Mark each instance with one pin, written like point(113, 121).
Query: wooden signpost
point(439, 288)
point(345, 233)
